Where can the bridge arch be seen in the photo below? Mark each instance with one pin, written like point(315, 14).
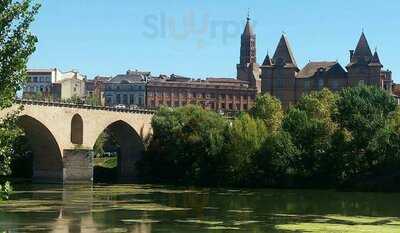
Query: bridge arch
point(131, 147)
point(77, 129)
point(47, 156)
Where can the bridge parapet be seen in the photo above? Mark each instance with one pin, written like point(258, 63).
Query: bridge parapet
point(83, 106)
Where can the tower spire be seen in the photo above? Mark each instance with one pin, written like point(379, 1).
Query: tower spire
point(362, 54)
point(283, 54)
point(248, 44)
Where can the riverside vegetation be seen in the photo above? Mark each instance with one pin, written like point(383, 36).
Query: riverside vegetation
point(348, 139)
point(16, 45)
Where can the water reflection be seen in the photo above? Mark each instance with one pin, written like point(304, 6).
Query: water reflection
point(149, 208)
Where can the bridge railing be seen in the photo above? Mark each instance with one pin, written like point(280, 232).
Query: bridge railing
point(82, 106)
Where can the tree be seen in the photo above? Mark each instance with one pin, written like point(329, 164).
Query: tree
point(93, 100)
point(245, 137)
point(17, 43)
point(363, 111)
point(312, 131)
point(269, 109)
point(187, 146)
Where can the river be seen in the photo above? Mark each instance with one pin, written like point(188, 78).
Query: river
point(154, 208)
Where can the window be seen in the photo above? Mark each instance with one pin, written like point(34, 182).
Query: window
point(125, 99)
point(335, 84)
point(320, 83)
point(307, 84)
point(140, 101)
point(237, 106)
point(245, 106)
point(131, 99)
point(118, 99)
point(230, 106)
point(108, 100)
point(361, 82)
point(223, 105)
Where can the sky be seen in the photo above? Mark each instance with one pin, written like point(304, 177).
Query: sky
point(201, 38)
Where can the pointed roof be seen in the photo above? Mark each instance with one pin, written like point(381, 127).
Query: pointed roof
point(312, 68)
point(284, 53)
point(363, 52)
point(267, 61)
point(375, 60)
point(248, 30)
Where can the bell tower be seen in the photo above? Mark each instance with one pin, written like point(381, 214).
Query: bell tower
point(248, 70)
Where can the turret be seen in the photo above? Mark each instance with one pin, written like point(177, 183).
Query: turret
point(364, 67)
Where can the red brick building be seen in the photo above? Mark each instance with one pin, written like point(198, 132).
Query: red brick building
point(281, 77)
point(219, 94)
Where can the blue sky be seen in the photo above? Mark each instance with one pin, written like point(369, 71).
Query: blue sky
point(202, 38)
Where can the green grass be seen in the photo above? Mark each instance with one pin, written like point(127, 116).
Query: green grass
point(341, 224)
point(107, 162)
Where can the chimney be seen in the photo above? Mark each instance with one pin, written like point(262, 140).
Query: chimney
point(351, 54)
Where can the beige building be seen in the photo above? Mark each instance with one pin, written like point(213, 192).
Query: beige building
point(54, 84)
point(72, 87)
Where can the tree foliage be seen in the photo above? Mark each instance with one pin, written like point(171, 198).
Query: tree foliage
point(326, 140)
point(269, 109)
point(17, 43)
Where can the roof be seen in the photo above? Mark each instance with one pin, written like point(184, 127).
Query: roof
point(248, 30)
point(131, 77)
point(362, 54)
point(267, 61)
point(224, 80)
point(313, 67)
point(375, 60)
point(283, 53)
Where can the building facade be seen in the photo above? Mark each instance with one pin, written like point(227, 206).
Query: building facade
point(40, 82)
point(218, 94)
point(53, 84)
point(94, 88)
point(281, 77)
point(127, 89)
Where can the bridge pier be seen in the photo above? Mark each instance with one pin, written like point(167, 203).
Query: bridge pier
point(78, 166)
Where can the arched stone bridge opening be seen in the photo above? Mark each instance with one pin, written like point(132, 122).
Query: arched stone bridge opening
point(62, 138)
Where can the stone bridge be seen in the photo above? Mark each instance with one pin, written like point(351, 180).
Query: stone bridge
point(62, 137)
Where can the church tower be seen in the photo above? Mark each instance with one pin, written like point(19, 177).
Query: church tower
point(364, 67)
point(248, 70)
point(278, 75)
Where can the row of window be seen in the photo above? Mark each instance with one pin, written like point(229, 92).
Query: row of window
point(211, 105)
point(40, 79)
point(197, 95)
point(37, 88)
point(124, 87)
point(125, 99)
